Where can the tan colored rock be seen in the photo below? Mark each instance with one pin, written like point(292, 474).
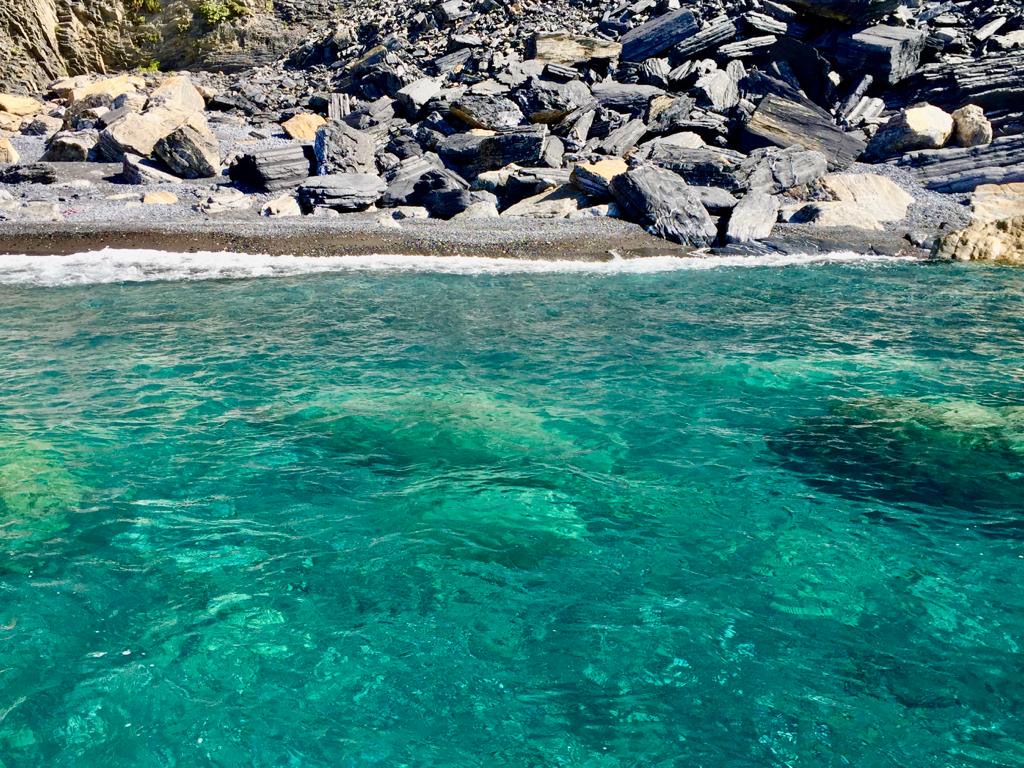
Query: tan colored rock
point(191, 150)
point(10, 123)
point(1001, 240)
point(556, 203)
point(564, 48)
point(8, 154)
point(137, 134)
point(970, 126)
point(921, 127)
point(177, 93)
point(23, 106)
point(991, 202)
point(879, 197)
point(302, 127)
point(77, 88)
point(286, 205)
point(594, 178)
point(835, 214)
point(159, 197)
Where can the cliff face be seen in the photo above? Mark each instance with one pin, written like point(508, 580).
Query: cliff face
point(44, 39)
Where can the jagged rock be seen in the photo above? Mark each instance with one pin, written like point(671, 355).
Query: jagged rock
point(887, 53)
point(921, 127)
point(342, 149)
point(191, 150)
point(70, 147)
point(836, 214)
point(669, 114)
point(662, 201)
point(684, 139)
point(879, 197)
point(752, 218)
point(847, 10)
point(775, 170)
point(159, 197)
point(523, 146)
point(137, 134)
point(594, 179)
point(697, 167)
point(43, 125)
point(8, 154)
point(1001, 240)
point(715, 200)
point(140, 170)
point(406, 181)
point(749, 47)
point(21, 106)
point(632, 99)
point(11, 123)
point(303, 126)
point(547, 102)
point(970, 128)
point(272, 169)
point(283, 206)
point(177, 93)
point(415, 96)
point(717, 90)
point(719, 30)
point(991, 202)
point(557, 203)
point(658, 35)
point(31, 173)
point(490, 112)
point(622, 139)
point(963, 169)
point(564, 48)
point(341, 191)
point(448, 203)
point(785, 122)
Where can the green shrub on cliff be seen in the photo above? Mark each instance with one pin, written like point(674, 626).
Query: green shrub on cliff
point(216, 12)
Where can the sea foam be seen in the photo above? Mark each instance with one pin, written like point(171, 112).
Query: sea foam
point(141, 265)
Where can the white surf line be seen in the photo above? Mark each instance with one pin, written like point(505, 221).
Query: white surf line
point(142, 265)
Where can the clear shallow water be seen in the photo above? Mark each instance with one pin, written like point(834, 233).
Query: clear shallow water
point(737, 517)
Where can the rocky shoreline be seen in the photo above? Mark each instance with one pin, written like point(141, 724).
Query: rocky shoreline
point(650, 127)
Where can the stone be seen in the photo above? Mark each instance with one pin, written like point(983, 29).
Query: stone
point(303, 126)
point(785, 122)
point(70, 147)
point(848, 11)
point(962, 169)
point(634, 100)
point(484, 209)
point(342, 149)
point(11, 123)
point(717, 90)
point(836, 214)
point(594, 179)
point(970, 127)
point(665, 204)
point(991, 202)
point(30, 173)
point(272, 169)
point(879, 197)
point(719, 30)
point(490, 112)
point(557, 203)
point(715, 199)
point(21, 106)
point(74, 89)
point(414, 96)
point(43, 125)
point(887, 53)
point(191, 150)
point(523, 146)
point(224, 199)
point(1001, 241)
point(619, 141)
point(8, 154)
point(177, 93)
point(752, 218)
point(658, 35)
point(341, 191)
point(286, 205)
point(32, 211)
point(159, 197)
point(449, 203)
point(697, 167)
point(920, 127)
point(775, 170)
point(543, 101)
point(137, 134)
point(600, 211)
point(565, 48)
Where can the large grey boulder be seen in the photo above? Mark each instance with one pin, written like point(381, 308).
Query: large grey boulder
point(658, 35)
point(887, 53)
point(492, 112)
point(544, 101)
point(341, 191)
point(665, 204)
point(752, 218)
point(340, 148)
point(272, 169)
point(191, 150)
point(787, 122)
point(774, 170)
point(70, 147)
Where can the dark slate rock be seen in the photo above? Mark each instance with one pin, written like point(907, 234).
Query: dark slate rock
point(522, 146)
point(30, 173)
point(887, 53)
point(622, 139)
point(657, 35)
point(633, 100)
point(413, 178)
point(717, 31)
point(665, 204)
point(850, 11)
point(786, 123)
point(671, 118)
point(272, 169)
point(340, 148)
point(341, 191)
point(698, 167)
point(444, 204)
point(774, 170)
point(962, 170)
point(492, 112)
point(548, 102)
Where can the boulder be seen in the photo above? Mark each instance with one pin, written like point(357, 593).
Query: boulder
point(20, 106)
point(879, 197)
point(178, 94)
point(1001, 240)
point(303, 126)
point(341, 191)
point(224, 199)
point(141, 170)
point(483, 209)
point(8, 154)
point(970, 127)
point(73, 89)
point(159, 197)
point(137, 134)
point(342, 149)
point(523, 146)
point(887, 53)
point(29, 173)
point(272, 169)
point(565, 48)
point(836, 214)
point(665, 204)
point(594, 179)
point(557, 203)
point(786, 122)
point(12, 123)
point(414, 96)
point(286, 205)
point(629, 98)
point(752, 218)
point(717, 90)
point(962, 169)
point(43, 125)
point(775, 170)
point(191, 150)
point(920, 127)
point(32, 211)
point(658, 35)
point(622, 139)
point(698, 167)
point(544, 101)
point(491, 112)
point(449, 203)
point(70, 147)
point(991, 202)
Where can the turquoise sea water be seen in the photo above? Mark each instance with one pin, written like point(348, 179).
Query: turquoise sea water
point(734, 517)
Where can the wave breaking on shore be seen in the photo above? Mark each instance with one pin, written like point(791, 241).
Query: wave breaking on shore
point(142, 265)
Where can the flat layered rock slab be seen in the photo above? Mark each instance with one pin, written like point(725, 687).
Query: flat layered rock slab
point(785, 123)
point(964, 169)
point(665, 204)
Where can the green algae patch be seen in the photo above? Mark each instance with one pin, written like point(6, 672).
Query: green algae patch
point(37, 492)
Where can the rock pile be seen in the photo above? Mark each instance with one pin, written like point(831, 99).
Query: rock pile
point(706, 122)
